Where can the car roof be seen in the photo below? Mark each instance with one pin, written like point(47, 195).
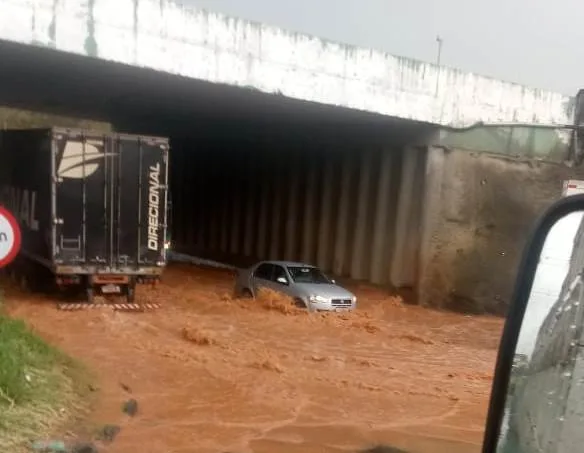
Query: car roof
point(286, 263)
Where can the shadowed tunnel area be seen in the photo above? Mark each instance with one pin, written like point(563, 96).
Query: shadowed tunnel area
point(253, 175)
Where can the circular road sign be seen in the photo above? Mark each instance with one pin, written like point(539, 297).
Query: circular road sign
point(9, 237)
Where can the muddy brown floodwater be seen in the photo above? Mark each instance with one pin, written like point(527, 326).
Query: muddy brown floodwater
point(212, 374)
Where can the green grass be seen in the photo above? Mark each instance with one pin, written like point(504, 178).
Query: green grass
point(40, 387)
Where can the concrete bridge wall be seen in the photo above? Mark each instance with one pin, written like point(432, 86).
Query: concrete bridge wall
point(480, 208)
point(164, 36)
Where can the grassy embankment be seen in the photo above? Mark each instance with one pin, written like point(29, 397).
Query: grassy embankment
point(42, 391)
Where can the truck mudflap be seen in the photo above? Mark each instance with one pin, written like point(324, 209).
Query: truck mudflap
point(108, 306)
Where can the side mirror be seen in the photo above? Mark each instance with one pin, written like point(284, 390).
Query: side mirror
point(282, 280)
point(536, 399)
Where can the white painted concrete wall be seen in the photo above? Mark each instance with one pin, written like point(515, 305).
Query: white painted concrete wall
point(161, 35)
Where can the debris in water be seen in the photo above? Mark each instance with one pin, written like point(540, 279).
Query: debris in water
point(383, 449)
point(108, 433)
point(130, 407)
point(268, 365)
point(84, 447)
point(318, 358)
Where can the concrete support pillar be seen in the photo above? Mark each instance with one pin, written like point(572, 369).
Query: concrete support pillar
point(191, 202)
point(262, 232)
point(214, 209)
point(431, 208)
point(325, 232)
point(358, 270)
point(404, 264)
point(207, 211)
point(308, 229)
point(237, 190)
point(225, 222)
point(380, 244)
point(176, 189)
point(276, 211)
point(201, 187)
point(250, 210)
point(342, 222)
point(292, 212)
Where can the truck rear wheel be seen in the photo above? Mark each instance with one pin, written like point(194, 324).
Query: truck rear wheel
point(23, 283)
point(89, 294)
point(13, 273)
point(131, 292)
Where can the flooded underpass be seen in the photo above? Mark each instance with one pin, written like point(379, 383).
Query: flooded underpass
point(214, 374)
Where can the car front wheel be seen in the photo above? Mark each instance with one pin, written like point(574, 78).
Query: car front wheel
point(300, 303)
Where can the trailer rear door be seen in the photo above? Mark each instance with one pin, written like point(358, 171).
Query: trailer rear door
point(109, 200)
point(142, 197)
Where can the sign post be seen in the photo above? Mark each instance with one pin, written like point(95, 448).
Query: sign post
point(9, 237)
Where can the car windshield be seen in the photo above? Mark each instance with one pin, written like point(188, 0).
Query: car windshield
point(307, 274)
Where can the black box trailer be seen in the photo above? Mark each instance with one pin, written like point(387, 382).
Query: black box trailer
point(92, 206)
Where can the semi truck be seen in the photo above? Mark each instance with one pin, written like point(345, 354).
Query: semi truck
point(92, 207)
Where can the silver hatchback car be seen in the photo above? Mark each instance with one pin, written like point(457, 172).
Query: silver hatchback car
point(306, 284)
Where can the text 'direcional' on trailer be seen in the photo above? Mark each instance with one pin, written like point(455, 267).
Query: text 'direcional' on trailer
point(109, 200)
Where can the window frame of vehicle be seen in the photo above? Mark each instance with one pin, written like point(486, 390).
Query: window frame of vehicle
point(283, 274)
point(271, 273)
point(319, 270)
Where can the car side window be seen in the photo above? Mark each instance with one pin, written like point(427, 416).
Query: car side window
point(264, 271)
point(279, 272)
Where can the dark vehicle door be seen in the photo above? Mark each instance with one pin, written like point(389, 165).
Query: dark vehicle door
point(141, 192)
point(279, 277)
point(262, 277)
point(110, 200)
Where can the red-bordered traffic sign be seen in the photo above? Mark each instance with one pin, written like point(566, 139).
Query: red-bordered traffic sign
point(9, 237)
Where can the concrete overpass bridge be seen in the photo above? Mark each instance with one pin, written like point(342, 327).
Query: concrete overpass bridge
point(163, 36)
point(286, 145)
